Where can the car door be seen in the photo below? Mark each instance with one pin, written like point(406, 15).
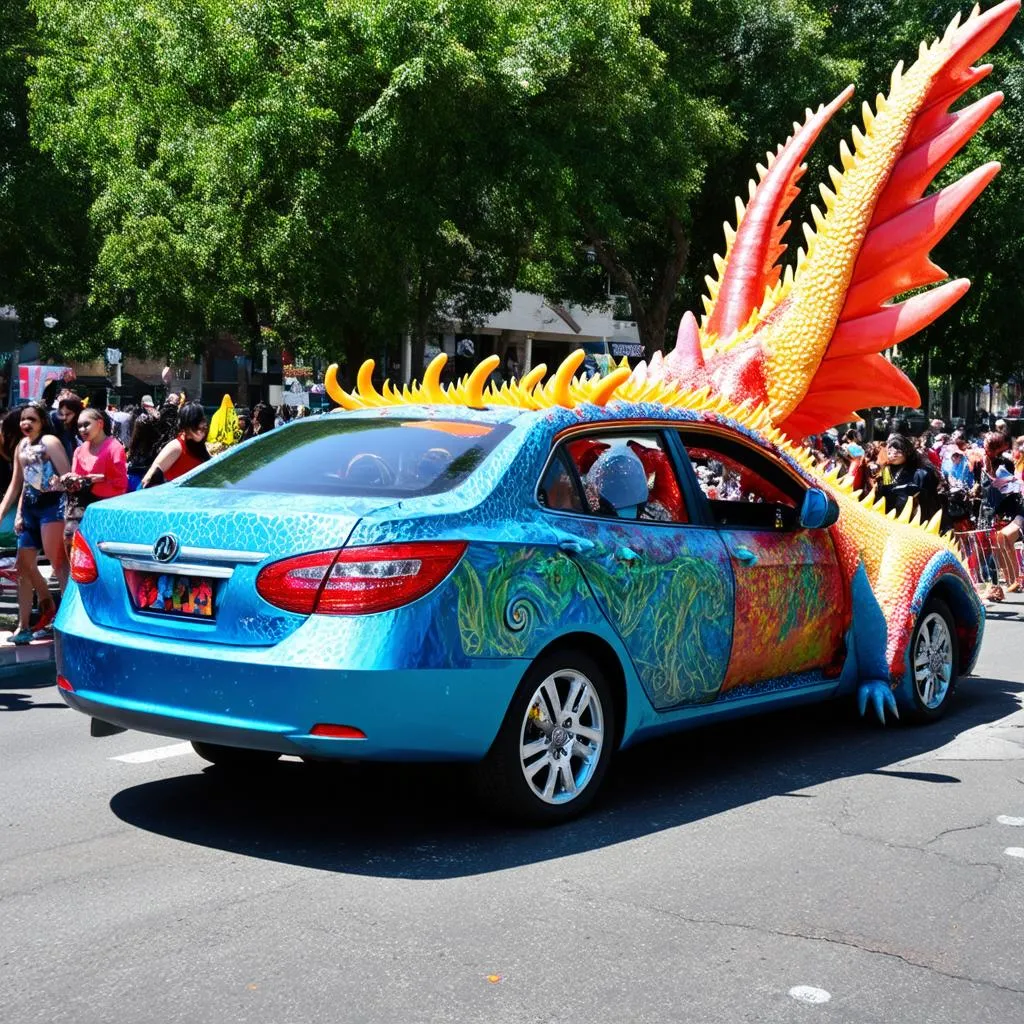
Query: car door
point(791, 601)
point(663, 582)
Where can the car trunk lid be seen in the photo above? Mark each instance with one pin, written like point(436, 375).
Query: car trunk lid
point(182, 562)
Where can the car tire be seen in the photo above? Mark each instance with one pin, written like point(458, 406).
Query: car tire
point(233, 757)
point(934, 656)
point(555, 743)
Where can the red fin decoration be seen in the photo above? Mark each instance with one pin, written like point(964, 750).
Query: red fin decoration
point(892, 324)
point(920, 226)
point(915, 172)
point(751, 266)
point(975, 37)
point(841, 384)
point(914, 271)
point(930, 119)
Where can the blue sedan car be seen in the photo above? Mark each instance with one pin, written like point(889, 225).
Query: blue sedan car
point(528, 590)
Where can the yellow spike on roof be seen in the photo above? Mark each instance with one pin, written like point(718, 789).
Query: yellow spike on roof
point(432, 391)
point(337, 392)
point(474, 386)
point(364, 385)
point(559, 383)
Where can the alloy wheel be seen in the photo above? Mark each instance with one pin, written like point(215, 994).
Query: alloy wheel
point(562, 734)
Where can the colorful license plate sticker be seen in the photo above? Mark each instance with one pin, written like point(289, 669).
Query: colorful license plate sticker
point(171, 593)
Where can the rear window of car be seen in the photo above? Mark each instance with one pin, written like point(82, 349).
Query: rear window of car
point(350, 456)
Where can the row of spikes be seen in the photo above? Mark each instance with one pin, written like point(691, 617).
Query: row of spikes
point(565, 389)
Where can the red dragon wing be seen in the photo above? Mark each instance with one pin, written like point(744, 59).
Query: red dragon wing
point(816, 334)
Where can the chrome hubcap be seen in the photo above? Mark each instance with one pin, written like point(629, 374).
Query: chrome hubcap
point(933, 661)
point(561, 737)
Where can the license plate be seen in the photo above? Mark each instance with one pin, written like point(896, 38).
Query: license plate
point(190, 597)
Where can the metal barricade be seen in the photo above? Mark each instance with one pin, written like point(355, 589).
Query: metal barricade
point(981, 555)
point(978, 550)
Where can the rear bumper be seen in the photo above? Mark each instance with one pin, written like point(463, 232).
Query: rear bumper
point(270, 698)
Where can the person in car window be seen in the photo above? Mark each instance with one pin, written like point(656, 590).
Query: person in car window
point(617, 486)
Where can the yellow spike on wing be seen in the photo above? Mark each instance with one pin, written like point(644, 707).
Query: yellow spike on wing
point(337, 392)
point(905, 514)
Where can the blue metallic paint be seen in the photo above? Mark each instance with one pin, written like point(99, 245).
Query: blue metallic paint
point(449, 662)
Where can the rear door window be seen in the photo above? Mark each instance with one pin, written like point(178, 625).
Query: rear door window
point(621, 475)
point(356, 457)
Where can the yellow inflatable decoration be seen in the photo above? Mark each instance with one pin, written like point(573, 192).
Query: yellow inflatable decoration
point(224, 427)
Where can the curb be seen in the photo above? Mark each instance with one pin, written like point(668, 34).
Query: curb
point(15, 659)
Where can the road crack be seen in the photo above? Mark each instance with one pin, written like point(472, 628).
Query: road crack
point(848, 943)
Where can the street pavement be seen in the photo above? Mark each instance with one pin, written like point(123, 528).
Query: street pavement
point(799, 867)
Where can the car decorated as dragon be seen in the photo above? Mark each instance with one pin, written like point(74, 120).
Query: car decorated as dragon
point(532, 576)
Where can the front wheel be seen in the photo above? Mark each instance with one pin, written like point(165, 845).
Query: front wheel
point(233, 757)
point(933, 662)
point(553, 749)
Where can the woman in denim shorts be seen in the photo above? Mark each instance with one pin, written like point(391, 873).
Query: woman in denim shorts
point(35, 486)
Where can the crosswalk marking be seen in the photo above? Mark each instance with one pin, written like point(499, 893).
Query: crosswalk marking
point(154, 754)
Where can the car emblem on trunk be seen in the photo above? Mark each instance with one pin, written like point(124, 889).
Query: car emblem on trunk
point(166, 548)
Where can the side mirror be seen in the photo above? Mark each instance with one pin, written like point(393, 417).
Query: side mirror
point(818, 510)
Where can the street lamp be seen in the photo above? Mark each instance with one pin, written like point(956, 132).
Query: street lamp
point(50, 322)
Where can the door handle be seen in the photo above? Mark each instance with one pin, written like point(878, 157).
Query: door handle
point(574, 545)
point(746, 556)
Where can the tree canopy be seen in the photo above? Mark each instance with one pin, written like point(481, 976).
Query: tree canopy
point(345, 172)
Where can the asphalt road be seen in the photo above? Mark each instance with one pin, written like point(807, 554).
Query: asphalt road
point(877, 874)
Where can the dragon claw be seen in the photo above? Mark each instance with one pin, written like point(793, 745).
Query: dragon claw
point(880, 696)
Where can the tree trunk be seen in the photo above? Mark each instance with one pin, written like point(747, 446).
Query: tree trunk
point(651, 316)
point(426, 292)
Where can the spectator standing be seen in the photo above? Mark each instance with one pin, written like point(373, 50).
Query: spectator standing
point(98, 470)
point(64, 420)
point(262, 418)
point(36, 489)
point(186, 450)
point(1000, 491)
point(907, 477)
point(143, 447)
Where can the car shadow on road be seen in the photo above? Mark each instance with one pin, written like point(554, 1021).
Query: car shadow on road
point(421, 821)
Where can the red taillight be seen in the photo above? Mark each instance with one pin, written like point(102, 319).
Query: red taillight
point(337, 732)
point(357, 581)
point(83, 565)
point(63, 683)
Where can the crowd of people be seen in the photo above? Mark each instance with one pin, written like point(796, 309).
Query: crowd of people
point(973, 480)
point(55, 462)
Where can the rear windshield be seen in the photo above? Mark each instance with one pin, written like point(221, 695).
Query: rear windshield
point(340, 455)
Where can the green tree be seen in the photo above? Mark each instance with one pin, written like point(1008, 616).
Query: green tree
point(45, 242)
point(647, 173)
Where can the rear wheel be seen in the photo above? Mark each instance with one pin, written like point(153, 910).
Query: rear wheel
point(933, 662)
point(555, 743)
point(233, 757)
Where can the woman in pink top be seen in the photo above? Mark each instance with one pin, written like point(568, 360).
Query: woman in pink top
point(99, 469)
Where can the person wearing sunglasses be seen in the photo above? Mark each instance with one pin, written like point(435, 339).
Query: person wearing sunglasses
point(99, 469)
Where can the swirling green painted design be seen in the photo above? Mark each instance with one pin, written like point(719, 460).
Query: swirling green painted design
point(508, 596)
point(676, 619)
